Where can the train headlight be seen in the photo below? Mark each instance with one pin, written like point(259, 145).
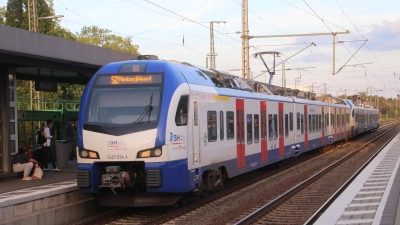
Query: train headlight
point(83, 153)
point(155, 152)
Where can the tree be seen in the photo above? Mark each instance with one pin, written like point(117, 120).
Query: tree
point(94, 35)
point(2, 15)
point(15, 14)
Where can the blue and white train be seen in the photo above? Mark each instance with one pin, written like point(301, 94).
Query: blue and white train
point(152, 131)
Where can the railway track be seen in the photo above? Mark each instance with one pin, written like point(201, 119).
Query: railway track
point(304, 202)
point(159, 215)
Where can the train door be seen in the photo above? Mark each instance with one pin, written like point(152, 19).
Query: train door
point(305, 127)
point(240, 148)
point(264, 143)
point(195, 130)
point(281, 136)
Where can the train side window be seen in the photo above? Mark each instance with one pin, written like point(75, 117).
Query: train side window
point(343, 121)
point(212, 125)
point(230, 125)
point(298, 121)
point(337, 120)
point(309, 124)
point(271, 129)
point(326, 121)
point(196, 114)
point(264, 125)
point(275, 126)
point(221, 125)
point(286, 125)
point(256, 128)
point(249, 129)
point(291, 121)
point(323, 121)
point(302, 123)
point(182, 111)
point(320, 122)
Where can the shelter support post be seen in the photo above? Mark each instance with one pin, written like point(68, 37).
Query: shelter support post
point(5, 118)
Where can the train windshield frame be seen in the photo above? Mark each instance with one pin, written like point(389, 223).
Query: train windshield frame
point(124, 103)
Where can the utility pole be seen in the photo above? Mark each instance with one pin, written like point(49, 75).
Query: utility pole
point(245, 41)
point(207, 62)
point(297, 80)
point(33, 26)
point(283, 76)
point(324, 88)
point(212, 50)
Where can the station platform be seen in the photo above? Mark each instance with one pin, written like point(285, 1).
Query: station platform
point(54, 199)
point(373, 196)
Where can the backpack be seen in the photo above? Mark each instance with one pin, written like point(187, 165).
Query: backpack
point(40, 137)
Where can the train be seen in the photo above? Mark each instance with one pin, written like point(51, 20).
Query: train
point(152, 132)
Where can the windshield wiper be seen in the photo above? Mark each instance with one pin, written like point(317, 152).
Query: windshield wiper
point(147, 111)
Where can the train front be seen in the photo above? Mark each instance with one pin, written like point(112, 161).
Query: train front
point(122, 155)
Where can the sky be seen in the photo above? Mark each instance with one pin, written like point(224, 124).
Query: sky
point(179, 30)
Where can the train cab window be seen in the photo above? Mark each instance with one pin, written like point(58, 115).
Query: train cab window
point(256, 128)
point(286, 125)
point(230, 125)
point(302, 123)
point(291, 121)
point(181, 115)
point(212, 126)
point(275, 126)
point(298, 121)
point(221, 125)
point(196, 114)
point(249, 129)
point(270, 127)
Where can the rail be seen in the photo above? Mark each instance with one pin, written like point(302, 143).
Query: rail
point(280, 199)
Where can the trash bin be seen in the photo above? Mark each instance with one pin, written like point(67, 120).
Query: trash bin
point(63, 148)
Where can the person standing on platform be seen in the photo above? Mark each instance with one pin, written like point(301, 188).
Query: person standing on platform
point(47, 147)
point(22, 163)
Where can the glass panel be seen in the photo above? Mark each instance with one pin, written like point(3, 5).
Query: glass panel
point(249, 128)
point(298, 121)
point(221, 125)
point(11, 80)
point(275, 126)
point(256, 128)
point(264, 125)
point(11, 95)
point(309, 124)
point(12, 146)
point(302, 123)
point(291, 121)
point(286, 125)
point(196, 115)
point(12, 128)
point(212, 125)
point(124, 105)
point(230, 125)
point(271, 129)
point(12, 113)
point(181, 114)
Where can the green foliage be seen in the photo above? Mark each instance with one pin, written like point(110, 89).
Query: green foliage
point(94, 35)
point(15, 14)
point(2, 15)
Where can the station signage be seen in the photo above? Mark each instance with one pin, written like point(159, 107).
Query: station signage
point(123, 79)
point(49, 86)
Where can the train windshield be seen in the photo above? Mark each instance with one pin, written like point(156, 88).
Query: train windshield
point(124, 105)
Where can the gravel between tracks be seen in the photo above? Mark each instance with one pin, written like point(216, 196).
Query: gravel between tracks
point(232, 207)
